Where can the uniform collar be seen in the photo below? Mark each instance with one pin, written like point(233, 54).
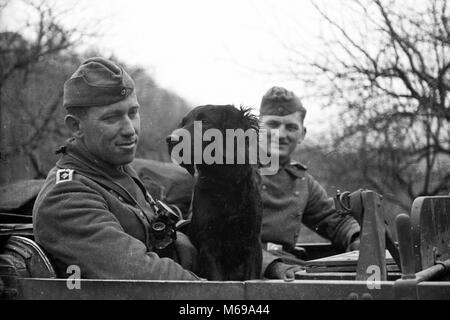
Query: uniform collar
point(296, 169)
point(77, 152)
point(75, 156)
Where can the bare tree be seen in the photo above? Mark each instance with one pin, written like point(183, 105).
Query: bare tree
point(391, 78)
point(29, 94)
point(46, 35)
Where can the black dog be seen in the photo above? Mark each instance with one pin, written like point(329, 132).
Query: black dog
point(227, 209)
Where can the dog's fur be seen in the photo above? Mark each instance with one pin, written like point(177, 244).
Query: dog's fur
point(227, 209)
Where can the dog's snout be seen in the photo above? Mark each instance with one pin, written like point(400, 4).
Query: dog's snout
point(172, 138)
point(175, 136)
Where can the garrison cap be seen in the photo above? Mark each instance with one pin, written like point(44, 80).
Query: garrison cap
point(97, 82)
point(281, 102)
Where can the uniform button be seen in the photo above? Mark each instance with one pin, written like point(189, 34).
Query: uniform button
point(123, 92)
point(264, 187)
point(297, 193)
point(120, 199)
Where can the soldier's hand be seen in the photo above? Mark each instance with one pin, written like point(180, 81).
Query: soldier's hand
point(186, 252)
point(280, 270)
point(354, 242)
point(353, 246)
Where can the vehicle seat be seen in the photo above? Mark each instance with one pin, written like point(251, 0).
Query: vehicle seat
point(25, 258)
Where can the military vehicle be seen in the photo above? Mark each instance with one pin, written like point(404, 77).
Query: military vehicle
point(416, 265)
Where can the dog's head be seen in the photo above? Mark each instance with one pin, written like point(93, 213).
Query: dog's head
point(206, 132)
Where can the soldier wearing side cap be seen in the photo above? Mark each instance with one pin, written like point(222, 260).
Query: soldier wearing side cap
point(292, 195)
point(93, 211)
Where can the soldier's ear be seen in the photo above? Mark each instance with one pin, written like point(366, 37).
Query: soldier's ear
point(302, 137)
point(74, 124)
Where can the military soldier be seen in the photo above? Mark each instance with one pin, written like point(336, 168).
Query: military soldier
point(292, 196)
point(93, 211)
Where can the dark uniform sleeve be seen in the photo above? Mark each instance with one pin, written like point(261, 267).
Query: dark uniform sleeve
point(321, 215)
point(74, 224)
point(267, 259)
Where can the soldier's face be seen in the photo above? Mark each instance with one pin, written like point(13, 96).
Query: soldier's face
point(288, 130)
point(111, 133)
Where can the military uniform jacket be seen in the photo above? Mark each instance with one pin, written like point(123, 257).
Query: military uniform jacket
point(293, 196)
point(83, 217)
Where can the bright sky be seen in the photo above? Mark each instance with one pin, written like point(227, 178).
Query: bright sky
point(200, 48)
point(208, 52)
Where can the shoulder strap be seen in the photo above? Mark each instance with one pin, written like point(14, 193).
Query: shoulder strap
point(296, 169)
point(298, 165)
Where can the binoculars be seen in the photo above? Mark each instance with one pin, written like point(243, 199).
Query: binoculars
point(163, 226)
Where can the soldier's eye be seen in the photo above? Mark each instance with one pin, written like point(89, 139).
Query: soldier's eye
point(111, 118)
point(272, 124)
point(292, 127)
point(133, 113)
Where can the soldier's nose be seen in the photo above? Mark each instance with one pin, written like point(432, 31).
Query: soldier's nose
point(128, 128)
point(282, 133)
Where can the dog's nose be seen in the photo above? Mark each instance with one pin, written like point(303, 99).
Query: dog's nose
point(172, 138)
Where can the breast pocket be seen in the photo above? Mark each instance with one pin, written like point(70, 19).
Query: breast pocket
point(132, 220)
point(301, 194)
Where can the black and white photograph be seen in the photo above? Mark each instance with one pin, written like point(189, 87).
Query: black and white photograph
point(225, 156)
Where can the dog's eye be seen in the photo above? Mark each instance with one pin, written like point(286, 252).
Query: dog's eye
point(203, 118)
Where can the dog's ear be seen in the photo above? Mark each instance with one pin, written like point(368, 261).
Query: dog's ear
point(249, 120)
